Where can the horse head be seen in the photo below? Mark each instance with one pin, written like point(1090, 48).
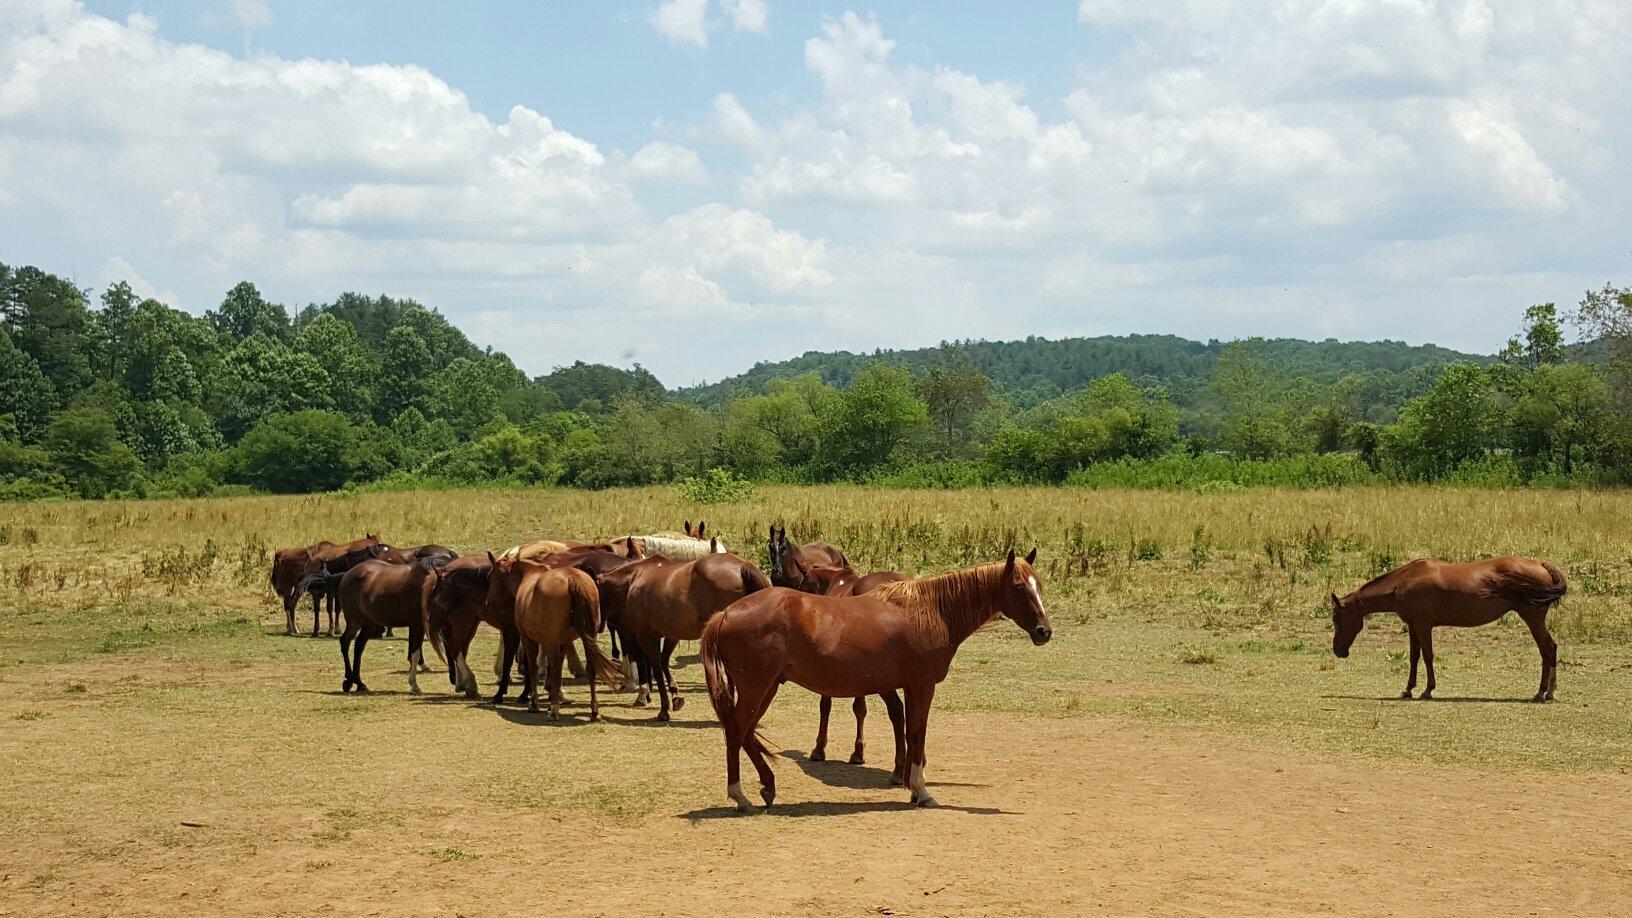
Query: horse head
point(1023, 602)
point(1347, 620)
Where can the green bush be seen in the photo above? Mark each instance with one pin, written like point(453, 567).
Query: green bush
point(946, 474)
point(716, 486)
point(303, 451)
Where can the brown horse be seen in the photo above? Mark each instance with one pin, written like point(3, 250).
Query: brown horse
point(455, 606)
point(291, 565)
point(552, 606)
point(817, 567)
point(902, 635)
point(1428, 593)
point(657, 603)
point(595, 561)
point(376, 595)
point(842, 580)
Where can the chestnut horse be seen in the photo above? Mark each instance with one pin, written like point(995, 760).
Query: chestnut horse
point(902, 635)
point(456, 604)
point(1429, 593)
point(552, 606)
point(291, 565)
point(376, 595)
point(594, 561)
point(657, 603)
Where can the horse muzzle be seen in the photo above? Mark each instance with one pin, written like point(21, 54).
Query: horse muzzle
point(1041, 634)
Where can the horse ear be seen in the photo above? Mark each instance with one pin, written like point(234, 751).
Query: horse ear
point(1008, 565)
point(1336, 603)
point(491, 559)
point(843, 560)
point(700, 526)
point(713, 546)
point(688, 527)
point(1031, 558)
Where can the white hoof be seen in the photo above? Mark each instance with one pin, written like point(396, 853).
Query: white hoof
point(735, 791)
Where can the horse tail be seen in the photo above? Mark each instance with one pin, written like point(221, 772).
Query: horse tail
point(1527, 590)
point(754, 580)
point(319, 579)
point(586, 620)
point(721, 693)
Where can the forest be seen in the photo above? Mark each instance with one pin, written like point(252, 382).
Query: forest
point(111, 395)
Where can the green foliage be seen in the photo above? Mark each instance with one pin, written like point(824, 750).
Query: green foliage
point(302, 451)
point(870, 420)
point(1457, 420)
point(84, 447)
point(595, 386)
point(245, 313)
point(506, 454)
point(26, 396)
point(716, 486)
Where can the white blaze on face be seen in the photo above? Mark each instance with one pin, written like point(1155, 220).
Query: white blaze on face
point(1036, 593)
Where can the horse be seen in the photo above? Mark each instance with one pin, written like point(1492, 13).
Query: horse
point(657, 603)
point(1428, 593)
point(324, 580)
point(551, 606)
point(595, 561)
point(455, 606)
point(791, 564)
point(290, 565)
point(902, 635)
point(672, 546)
point(842, 580)
point(375, 595)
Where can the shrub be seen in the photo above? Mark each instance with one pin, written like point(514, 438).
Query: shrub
point(303, 451)
point(716, 486)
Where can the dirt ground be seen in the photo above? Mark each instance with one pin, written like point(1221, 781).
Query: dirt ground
point(1056, 815)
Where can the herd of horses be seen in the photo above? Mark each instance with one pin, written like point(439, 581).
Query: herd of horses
point(812, 620)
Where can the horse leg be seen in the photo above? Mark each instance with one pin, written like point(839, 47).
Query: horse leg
point(316, 601)
point(898, 726)
point(574, 665)
point(345, 653)
point(363, 635)
point(818, 753)
point(594, 702)
point(1548, 648)
point(507, 655)
point(289, 616)
point(556, 654)
point(667, 675)
point(859, 756)
point(1416, 652)
point(331, 605)
point(756, 751)
point(919, 698)
point(651, 649)
point(416, 656)
point(1426, 638)
point(529, 672)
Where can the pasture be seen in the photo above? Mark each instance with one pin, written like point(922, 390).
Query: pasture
point(1186, 744)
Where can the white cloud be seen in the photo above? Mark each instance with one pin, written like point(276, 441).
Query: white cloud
point(244, 14)
point(665, 162)
point(747, 15)
point(683, 22)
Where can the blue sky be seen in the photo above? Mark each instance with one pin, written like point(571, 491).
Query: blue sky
point(699, 184)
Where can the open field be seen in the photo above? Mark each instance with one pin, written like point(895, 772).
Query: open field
point(1186, 745)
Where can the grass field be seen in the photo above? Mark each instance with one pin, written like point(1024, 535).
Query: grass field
point(167, 748)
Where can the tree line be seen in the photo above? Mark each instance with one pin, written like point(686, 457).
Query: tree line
point(118, 395)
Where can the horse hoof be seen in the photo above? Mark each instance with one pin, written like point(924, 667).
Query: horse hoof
point(1405, 696)
point(663, 716)
point(677, 702)
point(1427, 696)
point(345, 688)
point(856, 758)
point(927, 802)
point(768, 794)
point(818, 755)
point(899, 778)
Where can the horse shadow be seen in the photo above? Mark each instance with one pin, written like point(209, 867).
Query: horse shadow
point(836, 808)
point(839, 773)
point(526, 718)
point(652, 721)
point(1450, 699)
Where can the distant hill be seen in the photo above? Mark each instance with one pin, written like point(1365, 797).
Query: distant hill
point(1038, 368)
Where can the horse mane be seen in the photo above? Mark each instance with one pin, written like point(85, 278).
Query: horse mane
point(426, 565)
point(970, 596)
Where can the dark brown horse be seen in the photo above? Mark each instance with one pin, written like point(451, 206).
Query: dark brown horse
point(376, 595)
point(899, 636)
point(291, 565)
point(455, 607)
point(552, 606)
point(657, 603)
point(1428, 593)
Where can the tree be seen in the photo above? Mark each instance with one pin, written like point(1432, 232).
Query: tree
point(84, 446)
point(1561, 414)
point(26, 396)
point(302, 451)
point(245, 312)
point(584, 381)
point(871, 419)
point(954, 391)
point(112, 324)
point(406, 364)
point(260, 378)
point(353, 373)
point(1455, 421)
point(462, 394)
point(1543, 341)
point(47, 320)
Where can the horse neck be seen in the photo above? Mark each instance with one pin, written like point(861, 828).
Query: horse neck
point(961, 602)
point(1374, 595)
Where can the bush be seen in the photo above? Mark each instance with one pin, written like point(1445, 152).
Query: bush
point(716, 486)
point(947, 474)
point(303, 451)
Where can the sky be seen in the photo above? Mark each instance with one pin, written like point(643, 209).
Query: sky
point(697, 185)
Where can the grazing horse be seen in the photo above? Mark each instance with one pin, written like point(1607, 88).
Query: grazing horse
point(455, 606)
point(376, 595)
point(552, 606)
point(1428, 593)
point(595, 561)
point(657, 603)
point(901, 635)
point(291, 565)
